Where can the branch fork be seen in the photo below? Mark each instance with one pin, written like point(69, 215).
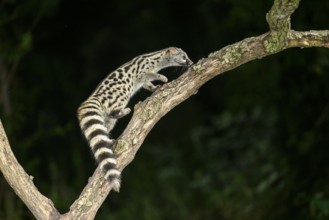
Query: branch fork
point(149, 112)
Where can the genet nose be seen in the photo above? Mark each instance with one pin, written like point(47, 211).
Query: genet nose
point(189, 62)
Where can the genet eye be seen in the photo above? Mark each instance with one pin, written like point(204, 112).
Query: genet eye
point(184, 58)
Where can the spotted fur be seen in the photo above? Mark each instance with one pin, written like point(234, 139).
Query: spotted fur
point(100, 112)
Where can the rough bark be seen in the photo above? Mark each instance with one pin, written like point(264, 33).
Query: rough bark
point(149, 112)
point(22, 183)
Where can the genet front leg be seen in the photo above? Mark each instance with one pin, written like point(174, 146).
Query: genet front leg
point(150, 86)
point(155, 76)
point(117, 114)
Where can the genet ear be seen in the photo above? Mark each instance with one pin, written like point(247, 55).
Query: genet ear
point(172, 51)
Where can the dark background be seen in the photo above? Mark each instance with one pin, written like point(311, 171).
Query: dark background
point(252, 144)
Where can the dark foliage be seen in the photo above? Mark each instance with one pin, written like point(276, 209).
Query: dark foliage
point(252, 144)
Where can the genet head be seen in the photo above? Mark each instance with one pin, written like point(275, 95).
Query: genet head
point(177, 57)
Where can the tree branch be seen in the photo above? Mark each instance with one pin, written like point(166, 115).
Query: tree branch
point(22, 183)
point(278, 18)
point(149, 112)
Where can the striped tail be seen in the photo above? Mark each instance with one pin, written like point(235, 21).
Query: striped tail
point(92, 124)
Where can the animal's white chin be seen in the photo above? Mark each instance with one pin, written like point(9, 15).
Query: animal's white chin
point(181, 63)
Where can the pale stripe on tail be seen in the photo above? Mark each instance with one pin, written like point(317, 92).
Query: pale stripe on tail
point(92, 124)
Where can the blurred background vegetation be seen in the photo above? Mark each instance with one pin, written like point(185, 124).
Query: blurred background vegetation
point(252, 144)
